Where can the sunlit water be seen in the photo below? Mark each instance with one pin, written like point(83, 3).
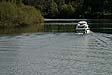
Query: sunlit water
point(56, 54)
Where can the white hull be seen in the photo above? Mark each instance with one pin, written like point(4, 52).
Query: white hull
point(84, 32)
point(88, 31)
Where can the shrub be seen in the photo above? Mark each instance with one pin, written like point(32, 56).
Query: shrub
point(12, 15)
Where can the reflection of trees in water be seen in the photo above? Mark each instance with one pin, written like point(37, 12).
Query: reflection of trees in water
point(26, 29)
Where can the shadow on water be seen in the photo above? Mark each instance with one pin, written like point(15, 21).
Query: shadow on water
point(59, 27)
point(63, 25)
point(101, 25)
point(21, 29)
point(66, 25)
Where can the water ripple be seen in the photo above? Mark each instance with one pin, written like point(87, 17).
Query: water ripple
point(56, 54)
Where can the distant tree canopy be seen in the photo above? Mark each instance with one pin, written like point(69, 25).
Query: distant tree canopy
point(97, 8)
point(55, 8)
point(71, 8)
point(13, 1)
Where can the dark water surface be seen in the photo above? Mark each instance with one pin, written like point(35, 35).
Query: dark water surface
point(56, 54)
point(69, 25)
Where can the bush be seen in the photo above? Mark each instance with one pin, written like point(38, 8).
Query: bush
point(7, 13)
point(28, 15)
point(12, 15)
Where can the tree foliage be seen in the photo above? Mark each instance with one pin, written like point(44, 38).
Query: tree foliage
point(98, 8)
point(12, 1)
point(70, 8)
point(12, 15)
point(55, 8)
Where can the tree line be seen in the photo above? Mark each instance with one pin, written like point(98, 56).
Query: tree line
point(73, 8)
point(70, 8)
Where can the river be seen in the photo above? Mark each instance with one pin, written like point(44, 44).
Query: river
point(49, 53)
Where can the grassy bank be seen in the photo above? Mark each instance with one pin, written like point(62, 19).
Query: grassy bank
point(18, 15)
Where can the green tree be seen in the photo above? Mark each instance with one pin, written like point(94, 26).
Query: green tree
point(79, 8)
point(51, 9)
point(92, 9)
point(67, 11)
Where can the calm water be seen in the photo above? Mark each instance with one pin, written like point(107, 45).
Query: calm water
point(56, 54)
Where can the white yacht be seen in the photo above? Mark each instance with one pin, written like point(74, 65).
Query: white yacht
point(82, 27)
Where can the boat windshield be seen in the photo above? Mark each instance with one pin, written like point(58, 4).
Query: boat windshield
point(81, 23)
point(81, 26)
